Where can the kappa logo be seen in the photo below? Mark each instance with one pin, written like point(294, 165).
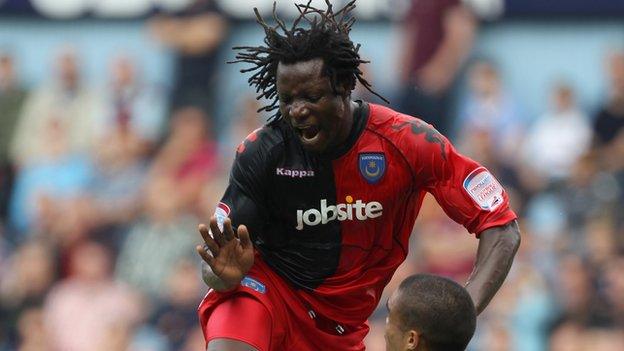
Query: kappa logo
point(345, 211)
point(294, 173)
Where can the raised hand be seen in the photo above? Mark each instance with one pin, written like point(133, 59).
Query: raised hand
point(229, 254)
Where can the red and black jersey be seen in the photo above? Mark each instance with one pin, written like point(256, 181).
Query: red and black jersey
point(336, 226)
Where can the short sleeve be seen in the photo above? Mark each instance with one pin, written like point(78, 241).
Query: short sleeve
point(245, 195)
point(467, 192)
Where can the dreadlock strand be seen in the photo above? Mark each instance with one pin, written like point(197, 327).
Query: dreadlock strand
point(279, 22)
point(345, 10)
point(301, 16)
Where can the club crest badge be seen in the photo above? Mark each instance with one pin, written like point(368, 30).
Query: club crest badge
point(372, 166)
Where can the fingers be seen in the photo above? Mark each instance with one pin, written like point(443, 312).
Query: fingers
point(228, 232)
point(210, 242)
point(204, 255)
point(243, 236)
point(216, 232)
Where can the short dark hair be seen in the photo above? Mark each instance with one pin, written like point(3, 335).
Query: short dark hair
point(327, 37)
point(439, 309)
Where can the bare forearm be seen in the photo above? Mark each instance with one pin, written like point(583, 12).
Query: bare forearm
point(497, 248)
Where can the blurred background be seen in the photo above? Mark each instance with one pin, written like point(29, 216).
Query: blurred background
point(119, 119)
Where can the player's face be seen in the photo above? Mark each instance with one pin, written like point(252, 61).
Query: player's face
point(396, 338)
point(320, 118)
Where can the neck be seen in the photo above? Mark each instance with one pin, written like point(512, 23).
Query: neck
point(349, 119)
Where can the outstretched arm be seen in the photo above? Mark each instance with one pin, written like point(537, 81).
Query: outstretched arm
point(497, 247)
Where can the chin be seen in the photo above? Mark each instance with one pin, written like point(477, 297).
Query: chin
point(314, 148)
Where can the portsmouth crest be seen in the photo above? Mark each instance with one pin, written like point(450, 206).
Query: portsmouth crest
point(372, 166)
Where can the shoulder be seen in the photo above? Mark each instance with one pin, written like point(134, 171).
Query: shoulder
point(406, 132)
point(420, 144)
point(261, 143)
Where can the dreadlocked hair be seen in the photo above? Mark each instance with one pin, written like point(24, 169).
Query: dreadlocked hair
point(327, 38)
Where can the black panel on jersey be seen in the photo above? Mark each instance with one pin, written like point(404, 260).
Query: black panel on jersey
point(265, 194)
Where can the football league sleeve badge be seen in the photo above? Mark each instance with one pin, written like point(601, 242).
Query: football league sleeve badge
point(372, 166)
point(484, 189)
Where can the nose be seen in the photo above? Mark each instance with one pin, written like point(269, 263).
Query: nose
point(299, 111)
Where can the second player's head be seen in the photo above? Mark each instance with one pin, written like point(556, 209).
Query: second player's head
point(429, 313)
point(307, 71)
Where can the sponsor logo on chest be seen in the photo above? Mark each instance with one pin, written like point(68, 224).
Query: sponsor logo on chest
point(349, 210)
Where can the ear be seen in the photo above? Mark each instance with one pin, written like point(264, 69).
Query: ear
point(412, 340)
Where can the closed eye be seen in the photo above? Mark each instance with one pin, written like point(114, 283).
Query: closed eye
point(314, 97)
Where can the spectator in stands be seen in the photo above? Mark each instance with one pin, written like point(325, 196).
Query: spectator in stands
point(589, 193)
point(81, 310)
point(194, 340)
point(176, 316)
point(571, 336)
point(45, 187)
point(491, 127)
point(442, 248)
point(31, 330)
point(194, 34)
point(567, 336)
point(558, 138)
point(114, 195)
point(614, 289)
point(609, 121)
point(132, 106)
point(603, 339)
point(490, 113)
point(12, 96)
point(437, 38)
point(24, 283)
point(165, 229)
point(575, 292)
point(68, 101)
point(189, 157)
point(601, 246)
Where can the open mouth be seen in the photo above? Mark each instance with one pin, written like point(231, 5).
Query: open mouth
point(308, 133)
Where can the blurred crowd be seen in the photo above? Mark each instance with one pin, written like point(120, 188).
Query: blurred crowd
point(102, 188)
